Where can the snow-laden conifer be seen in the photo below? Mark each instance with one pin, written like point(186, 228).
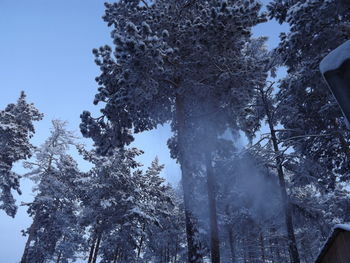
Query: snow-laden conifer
point(176, 61)
point(55, 233)
point(119, 203)
point(16, 129)
point(314, 125)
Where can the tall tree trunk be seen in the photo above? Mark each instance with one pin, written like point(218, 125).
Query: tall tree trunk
point(304, 250)
point(245, 248)
point(193, 246)
point(141, 241)
point(272, 254)
point(292, 244)
point(167, 254)
point(139, 247)
point(262, 247)
point(250, 246)
point(214, 231)
point(175, 255)
point(97, 247)
point(59, 257)
point(32, 228)
point(30, 238)
point(60, 253)
point(92, 249)
point(276, 242)
point(116, 255)
point(26, 249)
point(232, 245)
point(309, 249)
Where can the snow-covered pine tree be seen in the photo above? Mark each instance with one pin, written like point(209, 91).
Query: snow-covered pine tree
point(249, 205)
point(108, 194)
point(266, 106)
point(119, 202)
point(171, 60)
point(310, 214)
point(313, 121)
point(16, 128)
point(167, 242)
point(54, 233)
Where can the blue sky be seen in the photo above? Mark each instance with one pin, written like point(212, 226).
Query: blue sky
point(45, 50)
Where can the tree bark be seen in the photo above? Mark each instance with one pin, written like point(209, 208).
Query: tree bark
point(97, 247)
point(214, 231)
point(262, 247)
point(277, 249)
point(32, 228)
point(245, 248)
point(60, 253)
point(232, 246)
point(271, 249)
point(175, 255)
point(30, 238)
point(292, 244)
point(250, 246)
point(141, 241)
point(92, 249)
point(26, 249)
point(116, 255)
point(193, 246)
point(59, 257)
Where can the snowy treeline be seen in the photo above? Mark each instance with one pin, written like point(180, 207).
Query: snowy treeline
point(194, 65)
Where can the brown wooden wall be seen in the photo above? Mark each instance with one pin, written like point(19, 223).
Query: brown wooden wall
point(339, 249)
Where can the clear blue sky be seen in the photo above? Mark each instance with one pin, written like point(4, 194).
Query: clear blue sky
point(45, 50)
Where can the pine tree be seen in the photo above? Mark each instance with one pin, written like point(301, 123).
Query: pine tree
point(313, 122)
point(16, 128)
point(269, 110)
point(54, 233)
point(166, 242)
point(249, 205)
point(119, 204)
point(173, 61)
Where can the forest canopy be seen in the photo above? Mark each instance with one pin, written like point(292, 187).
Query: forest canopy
point(195, 66)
